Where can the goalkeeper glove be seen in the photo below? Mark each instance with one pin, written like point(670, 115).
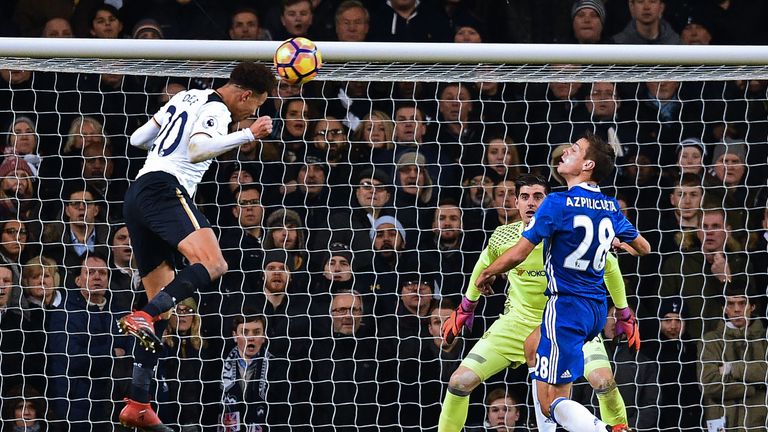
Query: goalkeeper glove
point(626, 324)
point(463, 316)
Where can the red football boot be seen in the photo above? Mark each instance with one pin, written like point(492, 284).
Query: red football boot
point(141, 325)
point(142, 416)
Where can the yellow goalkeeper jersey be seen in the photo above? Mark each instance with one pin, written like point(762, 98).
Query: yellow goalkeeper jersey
point(528, 281)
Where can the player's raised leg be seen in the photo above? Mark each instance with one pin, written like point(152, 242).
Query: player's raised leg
point(559, 360)
point(597, 370)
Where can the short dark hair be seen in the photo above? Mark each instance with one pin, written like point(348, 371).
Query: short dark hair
point(530, 180)
point(688, 179)
point(351, 4)
point(602, 154)
point(248, 315)
point(99, 253)
point(288, 3)
point(245, 9)
point(246, 187)
point(500, 393)
point(253, 76)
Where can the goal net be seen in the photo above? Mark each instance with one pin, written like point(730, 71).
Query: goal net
point(355, 227)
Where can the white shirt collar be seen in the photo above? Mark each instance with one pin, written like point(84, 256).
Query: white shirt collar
point(589, 187)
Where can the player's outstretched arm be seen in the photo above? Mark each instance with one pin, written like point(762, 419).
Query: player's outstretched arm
point(507, 261)
point(614, 281)
point(203, 147)
point(145, 135)
point(637, 247)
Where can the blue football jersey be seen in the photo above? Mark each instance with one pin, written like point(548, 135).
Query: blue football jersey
point(577, 227)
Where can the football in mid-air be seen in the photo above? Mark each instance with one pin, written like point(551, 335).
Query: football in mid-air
point(297, 60)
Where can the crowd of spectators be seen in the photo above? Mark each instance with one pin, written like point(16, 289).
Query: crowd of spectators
point(352, 231)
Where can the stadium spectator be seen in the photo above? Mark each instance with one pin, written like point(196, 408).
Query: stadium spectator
point(501, 158)
point(416, 295)
point(105, 22)
point(500, 107)
point(253, 381)
point(181, 19)
point(605, 119)
point(17, 337)
point(635, 376)
point(729, 169)
point(425, 366)
point(98, 171)
point(733, 368)
point(667, 112)
point(411, 134)
point(502, 413)
point(448, 251)
point(352, 21)
point(180, 381)
point(690, 159)
point(285, 231)
point(241, 244)
point(415, 196)
point(352, 225)
point(347, 375)
point(26, 409)
point(85, 349)
point(587, 20)
point(703, 268)
point(467, 29)
point(504, 206)
point(409, 21)
point(337, 276)
point(41, 282)
point(147, 28)
point(696, 32)
point(679, 396)
point(475, 202)
point(296, 19)
point(244, 25)
point(551, 116)
point(373, 140)
point(686, 200)
point(17, 244)
point(17, 189)
point(24, 92)
point(455, 132)
point(328, 141)
point(295, 114)
point(80, 233)
point(648, 25)
point(23, 141)
point(125, 280)
point(390, 256)
point(32, 15)
point(309, 195)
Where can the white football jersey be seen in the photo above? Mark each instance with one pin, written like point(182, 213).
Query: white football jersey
point(187, 113)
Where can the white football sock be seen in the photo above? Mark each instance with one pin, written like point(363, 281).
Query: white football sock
point(574, 417)
point(545, 424)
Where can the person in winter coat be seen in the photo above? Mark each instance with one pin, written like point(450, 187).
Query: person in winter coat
point(733, 366)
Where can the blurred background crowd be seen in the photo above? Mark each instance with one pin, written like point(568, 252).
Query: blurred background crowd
point(352, 231)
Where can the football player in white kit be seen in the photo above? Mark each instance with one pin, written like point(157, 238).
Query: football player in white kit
point(181, 138)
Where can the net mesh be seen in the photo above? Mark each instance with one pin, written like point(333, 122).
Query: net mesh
point(374, 361)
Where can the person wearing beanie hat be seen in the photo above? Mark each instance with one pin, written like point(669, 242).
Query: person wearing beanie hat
point(148, 28)
point(729, 162)
point(588, 20)
point(16, 188)
point(414, 184)
point(690, 156)
point(468, 29)
point(697, 31)
point(677, 377)
point(389, 222)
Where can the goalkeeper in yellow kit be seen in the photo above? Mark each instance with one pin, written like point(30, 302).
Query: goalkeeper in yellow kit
point(503, 344)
